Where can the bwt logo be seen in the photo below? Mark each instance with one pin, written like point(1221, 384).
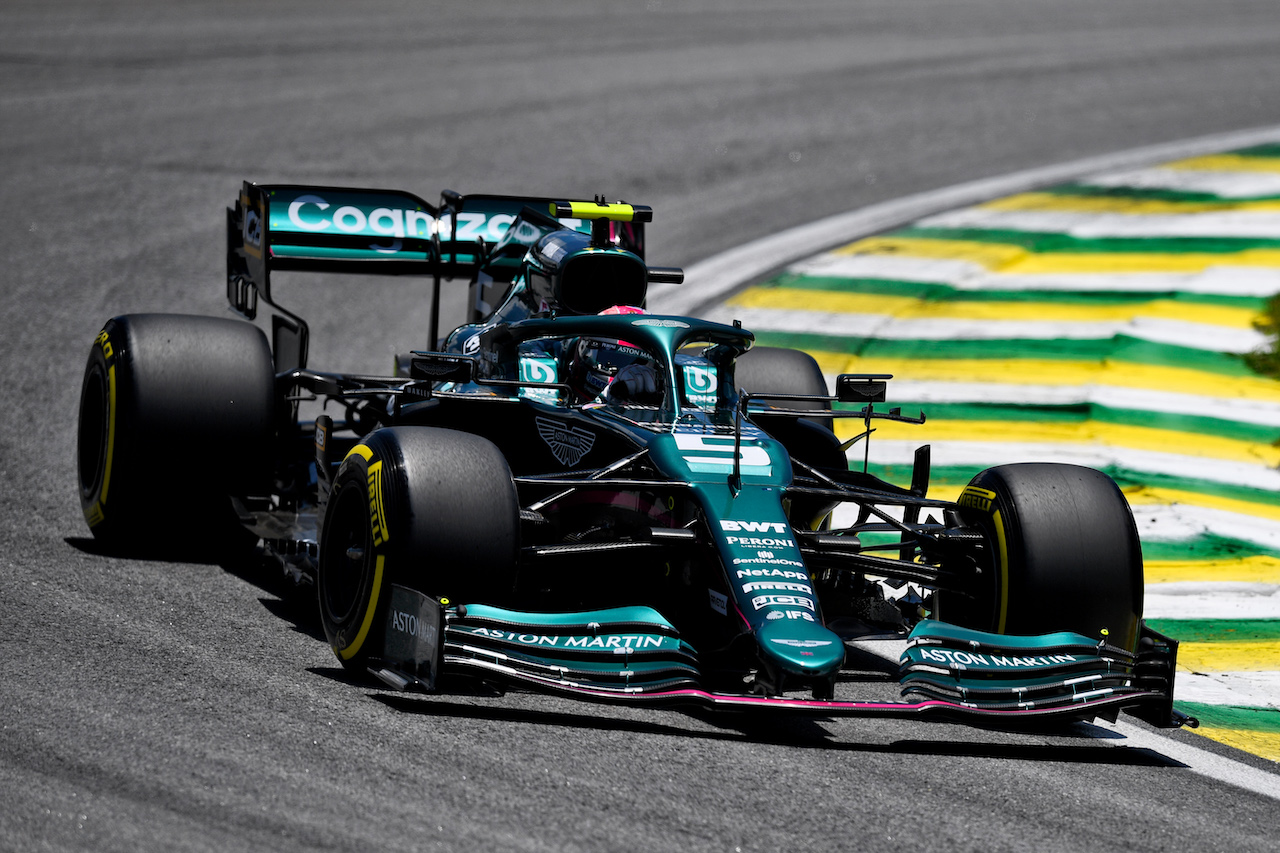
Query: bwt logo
point(699, 380)
point(754, 526)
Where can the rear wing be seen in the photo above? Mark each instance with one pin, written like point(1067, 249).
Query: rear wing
point(278, 227)
point(283, 227)
point(382, 232)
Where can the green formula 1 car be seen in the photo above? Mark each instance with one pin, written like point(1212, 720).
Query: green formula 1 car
point(573, 495)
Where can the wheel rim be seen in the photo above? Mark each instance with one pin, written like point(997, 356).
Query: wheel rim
point(347, 553)
point(91, 443)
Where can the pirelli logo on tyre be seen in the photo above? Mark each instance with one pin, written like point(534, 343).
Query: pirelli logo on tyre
point(377, 514)
point(974, 498)
point(105, 343)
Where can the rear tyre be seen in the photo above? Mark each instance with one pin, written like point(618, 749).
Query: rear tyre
point(430, 509)
point(1065, 555)
point(777, 370)
point(175, 416)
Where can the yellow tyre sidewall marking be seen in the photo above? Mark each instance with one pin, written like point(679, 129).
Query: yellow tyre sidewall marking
point(96, 514)
point(111, 434)
point(1004, 571)
point(379, 536)
point(984, 501)
point(370, 606)
point(362, 450)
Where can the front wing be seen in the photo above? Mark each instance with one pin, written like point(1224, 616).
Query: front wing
point(633, 656)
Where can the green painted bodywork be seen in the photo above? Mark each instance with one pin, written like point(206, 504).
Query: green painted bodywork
point(1000, 670)
point(634, 615)
point(772, 595)
point(336, 224)
point(608, 643)
point(1014, 644)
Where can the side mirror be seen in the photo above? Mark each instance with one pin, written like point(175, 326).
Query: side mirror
point(441, 367)
point(870, 388)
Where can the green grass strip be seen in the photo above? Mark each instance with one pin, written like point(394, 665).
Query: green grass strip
point(1267, 149)
point(1206, 546)
point(1148, 194)
point(947, 293)
point(1041, 242)
point(1218, 630)
point(1076, 413)
point(1121, 348)
point(1233, 717)
point(961, 474)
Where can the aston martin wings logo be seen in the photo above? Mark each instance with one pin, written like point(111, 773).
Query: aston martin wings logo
point(568, 443)
point(253, 227)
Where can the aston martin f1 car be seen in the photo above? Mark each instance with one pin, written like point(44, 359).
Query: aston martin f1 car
point(570, 494)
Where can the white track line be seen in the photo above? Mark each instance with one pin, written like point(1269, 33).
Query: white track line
point(1249, 689)
point(1178, 522)
point(1197, 760)
point(1227, 185)
point(1211, 600)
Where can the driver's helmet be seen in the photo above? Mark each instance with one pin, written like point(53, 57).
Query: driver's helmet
point(617, 369)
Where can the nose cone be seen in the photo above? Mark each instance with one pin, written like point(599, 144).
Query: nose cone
point(800, 647)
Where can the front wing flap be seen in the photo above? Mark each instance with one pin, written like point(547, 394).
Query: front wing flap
point(944, 661)
point(632, 655)
point(1062, 670)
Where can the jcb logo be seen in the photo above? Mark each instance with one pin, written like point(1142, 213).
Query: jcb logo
point(377, 515)
point(975, 498)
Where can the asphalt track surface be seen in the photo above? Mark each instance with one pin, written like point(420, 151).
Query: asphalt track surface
point(153, 705)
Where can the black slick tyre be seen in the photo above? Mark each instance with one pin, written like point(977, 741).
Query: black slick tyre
point(1065, 555)
point(778, 370)
point(175, 415)
point(430, 509)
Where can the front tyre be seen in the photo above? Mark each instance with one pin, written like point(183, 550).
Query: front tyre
point(1065, 555)
point(431, 509)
